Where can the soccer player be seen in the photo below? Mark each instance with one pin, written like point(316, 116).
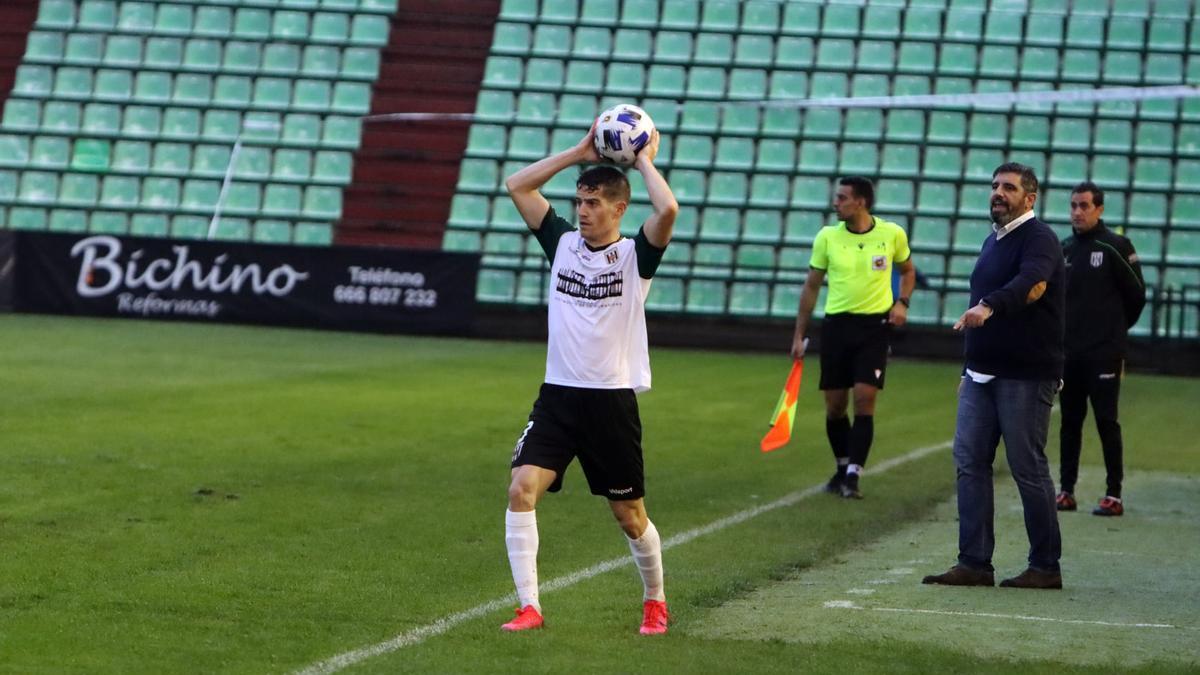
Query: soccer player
point(857, 254)
point(1105, 296)
point(1014, 359)
point(597, 359)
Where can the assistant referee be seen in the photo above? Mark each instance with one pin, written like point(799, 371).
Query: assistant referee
point(857, 253)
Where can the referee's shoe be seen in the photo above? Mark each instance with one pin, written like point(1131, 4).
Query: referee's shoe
point(850, 487)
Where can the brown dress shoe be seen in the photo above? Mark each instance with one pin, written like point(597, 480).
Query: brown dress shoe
point(961, 576)
point(1032, 578)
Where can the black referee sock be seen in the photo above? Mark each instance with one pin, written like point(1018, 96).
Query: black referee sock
point(861, 435)
point(838, 431)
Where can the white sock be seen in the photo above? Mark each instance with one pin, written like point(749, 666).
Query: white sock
point(647, 553)
point(521, 539)
point(854, 469)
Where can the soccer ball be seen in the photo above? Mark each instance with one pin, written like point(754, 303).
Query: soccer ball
point(621, 132)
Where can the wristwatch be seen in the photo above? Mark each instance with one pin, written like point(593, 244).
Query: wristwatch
point(902, 300)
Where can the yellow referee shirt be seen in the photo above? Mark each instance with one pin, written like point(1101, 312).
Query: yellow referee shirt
point(859, 266)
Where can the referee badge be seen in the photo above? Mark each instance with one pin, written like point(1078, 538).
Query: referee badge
point(879, 263)
point(1097, 258)
point(610, 256)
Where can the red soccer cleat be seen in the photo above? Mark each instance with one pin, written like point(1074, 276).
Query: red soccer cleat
point(1109, 506)
point(654, 618)
point(1065, 501)
point(528, 618)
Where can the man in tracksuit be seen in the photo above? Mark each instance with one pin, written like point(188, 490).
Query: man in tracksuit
point(1105, 296)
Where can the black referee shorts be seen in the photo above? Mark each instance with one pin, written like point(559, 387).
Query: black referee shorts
point(600, 426)
point(854, 349)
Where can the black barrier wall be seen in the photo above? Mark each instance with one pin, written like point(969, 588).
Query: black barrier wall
point(8, 265)
point(336, 287)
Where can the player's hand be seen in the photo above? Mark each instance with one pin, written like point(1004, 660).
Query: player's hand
point(898, 316)
point(973, 318)
point(799, 347)
point(649, 151)
point(586, 148)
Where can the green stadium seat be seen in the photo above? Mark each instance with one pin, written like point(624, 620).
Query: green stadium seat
point(706, 82)
point(243, 199)
point(876, 56)
point(21, 114)
point(666, 295)
point(84, 49)
point(632, 44)
point(68, 220)
point(278, 58)
point(680, 15)
point(90, 154)
point(1151, 172)
point(61, 116)
point(706, 296)
point(943, 162)
point(1039, 63)
point(96, 15)
point(760, 16)
point(1163, 69)
point(1044, 29)
point(1147, 209)
point(1126, 32)
point(79, 189)
point(700, 118)
point(769, 190)
point(858, 159)
point(50, 152)
point(1167, 34)
point(801, 228)
point(369, 30)
point(1154, 138)
point(289, 25)
point(963, 25)
point(148, 225)
point(136, 17)
point(794, 53)
point(727, 188)
point(810, 192)
point(931, 233)
point(599, 12)
point(1185, 211)
point(863, 124)
point(14, 150)
point(101, 119)
point(33, 81)
point(934, 198)
point(998, 61)
point(640, 13)
point(1123, 67)
point(735, 153)
point(835, 54)
point(754, 50)
point(905, 125)
point(200, 195)
point(1110, 171)
point(840, 20)
point(1085, 31)
point(173, 19)
point(981, 162)
point(762, 226)
point(895, 196)
point(823, 123)
point(776, 155)
point(152, 87)
point(213, 21)
point(749, 298)
point(973, 203)
point(900, 160)
point(457, 240)
point(321, 60)
point(341, 131)
point(163, 52)
point(189, 227)
point(552, 41)
point(108, 222)
point(314, 95)
point(296, 165)
point(495, 106)
point(26, 218)
point(988, 130)
point(747, 84)
point(273, 93)
point(719, 225)
point(1147, 242)
point(1004, 27)
point(917, 57)
point(958, 59)
point(1081, 65)
point(131, 156)
point(818, 157)
point(1187, 175)
point(160, 193)
point(713, 49)
point(284, 201)
point(313, 234)
point(785, 298)
point(947, 127)
point(119, 192)
point(881, 22)
point(780, 121)
point(1072, 134)
point(1183, 246)
point(1030, 131)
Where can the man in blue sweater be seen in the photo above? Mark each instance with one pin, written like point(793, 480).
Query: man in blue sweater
point(1014, 362)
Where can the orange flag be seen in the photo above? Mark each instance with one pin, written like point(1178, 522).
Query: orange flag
point(784, 416)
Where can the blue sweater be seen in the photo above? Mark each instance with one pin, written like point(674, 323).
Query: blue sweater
point(1022, 340)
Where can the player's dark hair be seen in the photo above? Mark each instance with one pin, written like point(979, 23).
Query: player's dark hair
point(863, 189)
point(1089, 186)
point(610, 181)
point(1029, 181)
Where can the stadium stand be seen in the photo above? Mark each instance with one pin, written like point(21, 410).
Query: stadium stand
point(124, 114)
point(754, 181)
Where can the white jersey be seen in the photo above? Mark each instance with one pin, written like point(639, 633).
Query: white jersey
point(597, 308)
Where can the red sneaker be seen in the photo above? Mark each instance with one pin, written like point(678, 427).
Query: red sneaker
point(1109, 506)
point(528, 618)
point(1065, 501)
point(654, 618)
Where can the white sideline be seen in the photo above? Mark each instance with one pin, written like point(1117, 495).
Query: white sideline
point(419, 635)
point(843, 604)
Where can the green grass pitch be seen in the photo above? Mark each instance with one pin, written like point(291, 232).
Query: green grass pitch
point(180, 498)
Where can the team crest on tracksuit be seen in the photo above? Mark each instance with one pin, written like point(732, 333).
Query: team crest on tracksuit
point(1097, 258)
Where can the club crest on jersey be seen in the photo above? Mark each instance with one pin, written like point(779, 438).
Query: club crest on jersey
point(610, 256)
point(879, 262)
point(1097, 258)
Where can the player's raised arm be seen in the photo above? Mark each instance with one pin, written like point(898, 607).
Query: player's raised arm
point(524, 186)
point(661, 223)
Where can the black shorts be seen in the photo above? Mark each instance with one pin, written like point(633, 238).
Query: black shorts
point(600, 426)
point(854, 349)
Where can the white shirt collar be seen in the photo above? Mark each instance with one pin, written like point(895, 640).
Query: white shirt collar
point(1012, 224)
